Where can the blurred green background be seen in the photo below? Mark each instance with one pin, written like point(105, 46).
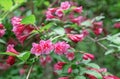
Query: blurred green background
point(108, 8)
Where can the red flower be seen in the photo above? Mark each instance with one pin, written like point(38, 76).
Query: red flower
point(2, 30)
point(78, 9)
point(20, 30)
point(117, 25)
point(98, 31)
point(87, 56)
point(76, 37)
point(10, 60)
point(70, 56)
point(59, 66)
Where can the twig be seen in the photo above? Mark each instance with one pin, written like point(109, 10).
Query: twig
point(98, 43)
point(28, 75)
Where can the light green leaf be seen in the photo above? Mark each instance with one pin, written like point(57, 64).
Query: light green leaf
point(28, 20)
point(98, 18)
point(86, 23)
point(94, 73)
point(59, 30)
point(19, 1)
point(80, 77)
point(2, 41)
point(109, 51)
point(8, 53)
point(24, 56)
point(6, 4)
point(93, 65)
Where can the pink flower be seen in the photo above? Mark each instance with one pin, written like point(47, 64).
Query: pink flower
point(98, 24)
point(10, 48)
point(98, 31)
point(49, 15)
point(45, 60)
point(61, 48)
point(70, 56)
point(70, 70)
point(68, 30)
point(102, 70)
point(87, 56)
point(85, 32)
point(10, 60)
point(76, 37)
point(78, 9)
point(44, 47)
point(2, 30)
point(63, 78)
point(78, 20)
point(4, 66)
point(47, 46)
point(36, 49)
point(22, 71)
point(59, 66)
point(59, 13)
point(110, 77)
point(65, 5)
point(117, 25)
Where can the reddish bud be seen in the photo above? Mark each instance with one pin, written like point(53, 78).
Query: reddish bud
point(87, 56)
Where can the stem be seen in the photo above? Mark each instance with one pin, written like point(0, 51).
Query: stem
point(29, 72)
point(57, 37)
point(100, 44)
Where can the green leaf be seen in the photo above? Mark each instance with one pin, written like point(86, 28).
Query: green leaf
point(65, 68)
point(28, 20)
point(93, 65)
point(80, 77)
point(24, 56)
point(19, 1)
point(6, 4)
point(46, 27)
point(109, 51)
point(98, 18)
point(86, 23)
point(2, 41)
point(94, 73)
point(55, 56)
point(59, 30)
point(8, 53)
point(114, 39)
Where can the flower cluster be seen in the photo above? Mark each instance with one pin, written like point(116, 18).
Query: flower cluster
point(20, 30)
